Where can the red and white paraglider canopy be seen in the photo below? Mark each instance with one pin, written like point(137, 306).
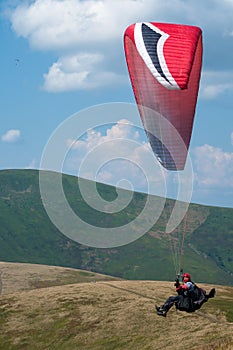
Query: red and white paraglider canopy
point(164, 63)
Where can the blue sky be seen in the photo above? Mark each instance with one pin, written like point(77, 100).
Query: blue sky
point(60, 57)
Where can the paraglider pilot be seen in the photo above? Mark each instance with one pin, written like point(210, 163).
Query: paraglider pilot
point(190, 297)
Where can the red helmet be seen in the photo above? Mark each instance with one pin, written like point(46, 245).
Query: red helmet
point(187, 275)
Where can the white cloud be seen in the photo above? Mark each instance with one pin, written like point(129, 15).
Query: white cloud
point(215, 83)
point(81, 71)
point(84, 34)
point(32, 164)
point(75, 29)
point(213, 167)
point(12, 135)
point(55, 24)
point(122, 129)
point(128, 167)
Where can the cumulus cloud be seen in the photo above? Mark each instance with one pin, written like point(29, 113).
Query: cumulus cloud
point(75, 29)
point(82, 33)
point(122, 129)
point(79, 72)
point(11, 136)
point(127, 167)
point(32, 164)
point(55, 24)
point(215, 83)
point(213, 167)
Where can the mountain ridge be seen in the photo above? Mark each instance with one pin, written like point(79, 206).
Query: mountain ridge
point(27, 235)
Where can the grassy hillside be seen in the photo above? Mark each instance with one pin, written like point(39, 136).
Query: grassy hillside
point(27, 235)
point(108, 315)
point(17, 277)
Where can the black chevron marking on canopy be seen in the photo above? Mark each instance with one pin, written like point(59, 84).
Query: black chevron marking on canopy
point(162, 153)
point(149, 37)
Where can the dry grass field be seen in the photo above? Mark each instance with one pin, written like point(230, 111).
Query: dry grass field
point(19, 277)
point(104, 314)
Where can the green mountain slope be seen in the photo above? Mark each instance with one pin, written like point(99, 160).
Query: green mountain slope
point(27, 234)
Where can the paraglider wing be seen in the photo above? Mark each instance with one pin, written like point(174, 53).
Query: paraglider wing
point(164, 63)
